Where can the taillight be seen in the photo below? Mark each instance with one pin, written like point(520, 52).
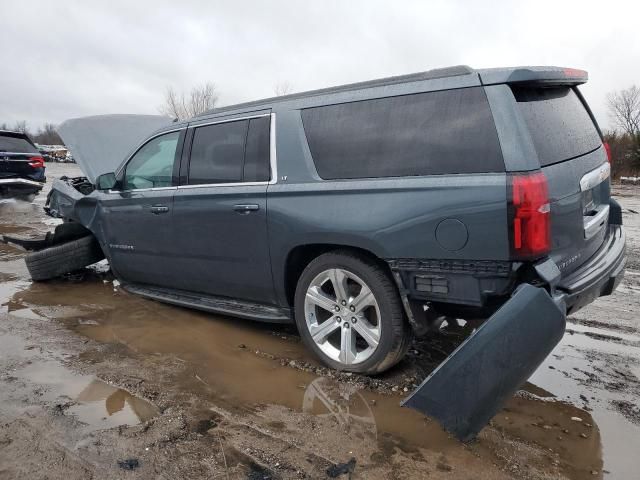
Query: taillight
point(36, 162)
point(530, 215)
point(607, 148)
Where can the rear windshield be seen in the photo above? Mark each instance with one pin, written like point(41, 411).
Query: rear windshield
point(15, 144)
point(560, 125)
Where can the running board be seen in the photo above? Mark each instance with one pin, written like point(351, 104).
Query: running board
point(212, 304)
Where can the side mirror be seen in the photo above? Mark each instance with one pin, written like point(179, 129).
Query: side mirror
point(106, 181)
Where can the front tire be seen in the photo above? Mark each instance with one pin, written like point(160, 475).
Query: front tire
point(349, 313)
point(55, 261)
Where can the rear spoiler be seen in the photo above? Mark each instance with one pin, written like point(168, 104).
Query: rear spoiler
point(533, 75)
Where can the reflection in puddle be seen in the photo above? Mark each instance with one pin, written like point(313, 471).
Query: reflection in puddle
point(343, 402)
point(92, 401)
point(120, 406)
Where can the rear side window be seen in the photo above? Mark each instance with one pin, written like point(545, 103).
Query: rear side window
point(231, 152)
point(256, 159)
point(16, 144)
point(559, 123)
point(431, 133)
point(217, 153)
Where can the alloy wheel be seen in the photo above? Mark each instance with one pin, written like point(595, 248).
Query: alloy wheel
point(342, 316)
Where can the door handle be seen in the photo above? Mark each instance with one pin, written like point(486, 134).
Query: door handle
point(158, 209)
point(245, 208)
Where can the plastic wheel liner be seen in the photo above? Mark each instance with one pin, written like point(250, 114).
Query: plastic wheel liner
point(475, 381)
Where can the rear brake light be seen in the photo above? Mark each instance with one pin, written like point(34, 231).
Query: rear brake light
point(530, 215)
point(574, 72)
point(36, 162)
point(607, 148)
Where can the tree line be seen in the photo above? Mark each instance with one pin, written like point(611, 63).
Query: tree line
point(45, 135)
point(624, 139)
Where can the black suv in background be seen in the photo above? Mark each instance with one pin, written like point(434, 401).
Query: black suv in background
point(22, 170)
point(368, 213)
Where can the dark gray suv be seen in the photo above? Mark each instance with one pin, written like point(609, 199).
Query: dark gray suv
point(368, 213)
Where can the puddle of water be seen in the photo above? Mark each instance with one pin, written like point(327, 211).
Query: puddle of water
point(573, 362)
point(93, 402)
point(26, 313)
point(219, 362)
point(604, 334)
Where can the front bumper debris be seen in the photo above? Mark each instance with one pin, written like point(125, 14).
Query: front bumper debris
point(474, 382)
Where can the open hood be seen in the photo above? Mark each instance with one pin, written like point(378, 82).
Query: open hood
point(100, 143)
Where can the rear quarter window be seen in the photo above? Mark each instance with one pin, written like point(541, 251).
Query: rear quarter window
point(16, 144)
point(560, 125)
point(444, 132)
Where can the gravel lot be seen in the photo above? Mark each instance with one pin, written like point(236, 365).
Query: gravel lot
point(98, 383)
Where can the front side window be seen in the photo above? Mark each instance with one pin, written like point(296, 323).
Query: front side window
point(152, 165)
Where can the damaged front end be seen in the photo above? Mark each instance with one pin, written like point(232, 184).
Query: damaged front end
point(99, 145)
point(65, 192)
point(473, 383)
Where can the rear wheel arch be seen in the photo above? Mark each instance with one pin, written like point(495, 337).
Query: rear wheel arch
point(300, 256)
point(381, 332)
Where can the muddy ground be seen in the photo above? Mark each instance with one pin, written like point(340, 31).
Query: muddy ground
point(98, 383)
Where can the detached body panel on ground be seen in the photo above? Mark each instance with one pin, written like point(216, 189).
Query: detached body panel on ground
point(373, 211)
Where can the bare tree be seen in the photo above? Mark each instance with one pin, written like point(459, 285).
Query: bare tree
point(624, 108)
point(21, 127)
point(47, 135)
point(183, 106)
point(282, 88)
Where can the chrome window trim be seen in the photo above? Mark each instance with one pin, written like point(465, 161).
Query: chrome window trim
point(154, 189)
point(272, 155)
point(272, 159)
point(234, 184)
point(228, 120)
point(272, 151)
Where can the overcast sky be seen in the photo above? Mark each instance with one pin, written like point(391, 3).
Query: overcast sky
point(62, 59)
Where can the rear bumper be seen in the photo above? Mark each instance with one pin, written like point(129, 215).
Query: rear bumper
point(20, 186)
point(599, 276)
point(471, 385)
point(21, 182)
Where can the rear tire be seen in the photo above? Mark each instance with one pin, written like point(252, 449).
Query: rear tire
point(55, 261)
point(349, 337)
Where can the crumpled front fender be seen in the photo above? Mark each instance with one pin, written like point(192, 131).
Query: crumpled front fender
point(475, 381)
point(64, 201)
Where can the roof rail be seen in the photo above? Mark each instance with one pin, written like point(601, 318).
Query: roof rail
point(414, 77)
